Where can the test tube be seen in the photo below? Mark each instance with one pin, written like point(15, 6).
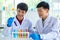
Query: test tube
point(20, 33)
point(15, 34)
point(26, 33)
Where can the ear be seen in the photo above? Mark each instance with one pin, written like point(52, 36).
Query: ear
point(47, 10)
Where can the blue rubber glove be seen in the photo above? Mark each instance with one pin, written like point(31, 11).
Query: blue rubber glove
point(35, 36)
point(9, 21)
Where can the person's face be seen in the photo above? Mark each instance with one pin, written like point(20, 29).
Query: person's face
point(20, 12)
point(42, 12)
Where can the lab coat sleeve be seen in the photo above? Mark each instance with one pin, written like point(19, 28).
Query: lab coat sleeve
point(56, 26)
point(54, 33)
point(36, 28)
point(30, 29)
point(7, 31)
point(51, 35)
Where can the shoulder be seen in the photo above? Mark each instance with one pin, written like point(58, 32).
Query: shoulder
point(39, 20)
point(53, 19)
point(27, 20)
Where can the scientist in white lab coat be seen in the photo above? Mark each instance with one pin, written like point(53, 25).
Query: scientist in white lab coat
point(46, 24)
point(19, 21)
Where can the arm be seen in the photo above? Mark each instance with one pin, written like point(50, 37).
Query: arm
point(8, 28)
point(54, 33)
point(7, 31)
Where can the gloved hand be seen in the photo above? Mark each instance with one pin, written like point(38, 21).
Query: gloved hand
point(35, 36)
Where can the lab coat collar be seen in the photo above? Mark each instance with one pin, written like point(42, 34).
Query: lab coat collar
point(47, 19)
point(18, 22)
point(46, 22)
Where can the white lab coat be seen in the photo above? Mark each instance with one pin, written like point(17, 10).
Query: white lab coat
point(49, 27)
point(50, 24)
point(26, 24)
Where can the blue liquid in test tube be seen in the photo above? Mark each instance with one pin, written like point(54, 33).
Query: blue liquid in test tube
point(15, 35)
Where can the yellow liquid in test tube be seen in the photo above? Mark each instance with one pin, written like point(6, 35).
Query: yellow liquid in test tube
point(19, 34)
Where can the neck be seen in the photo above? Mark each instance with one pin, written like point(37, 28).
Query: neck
point(43, 18)
point(20, 18)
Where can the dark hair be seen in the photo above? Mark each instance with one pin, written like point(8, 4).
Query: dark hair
point(22, 6)
point(43, 4)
